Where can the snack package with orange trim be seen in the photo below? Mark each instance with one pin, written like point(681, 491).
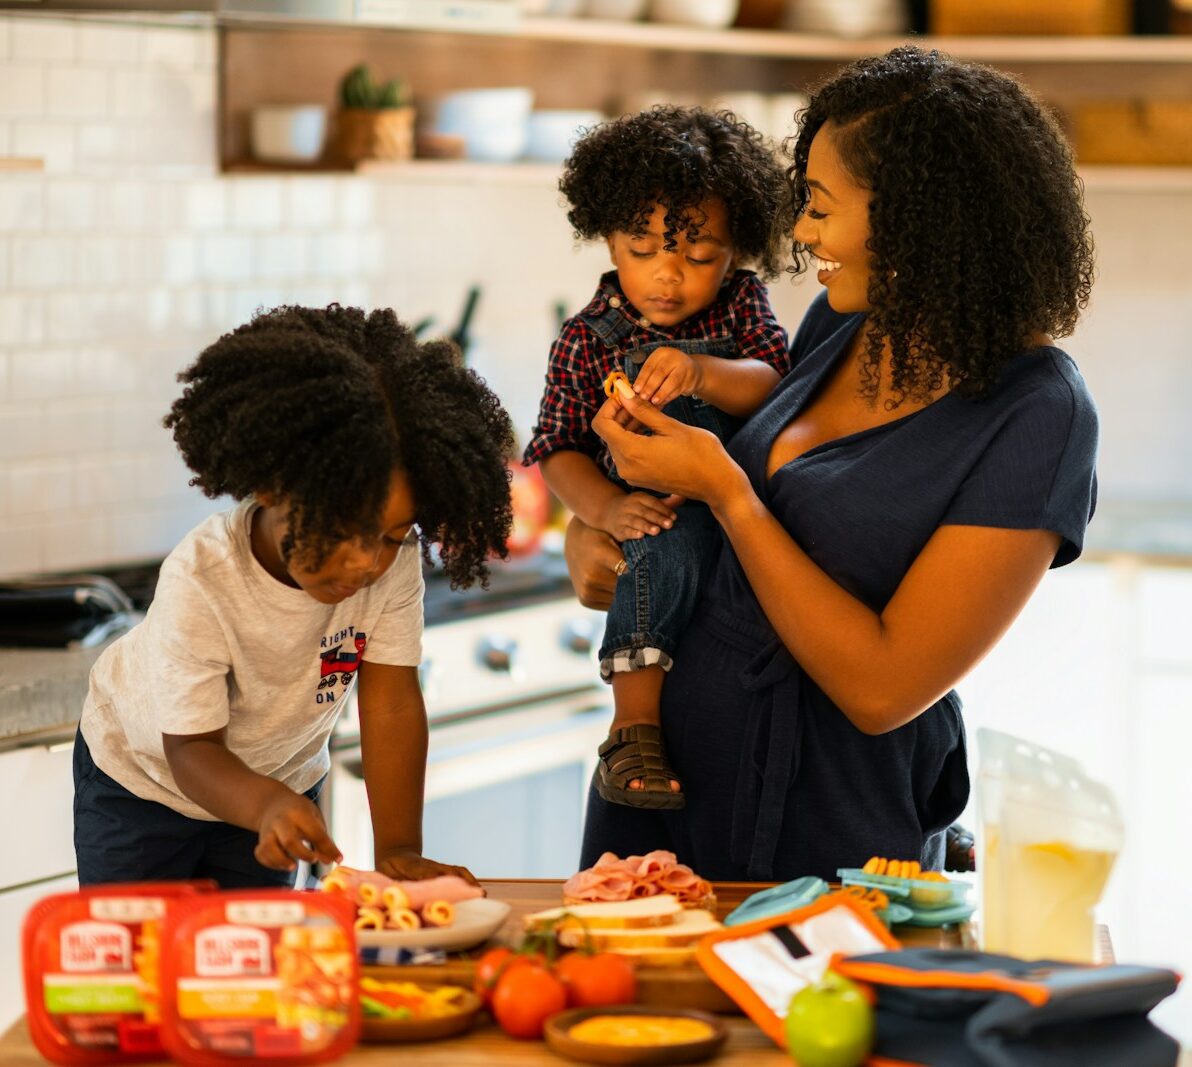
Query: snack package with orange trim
point(260, 975)
point(92, 960)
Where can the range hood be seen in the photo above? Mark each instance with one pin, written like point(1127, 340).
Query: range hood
point(463, 15)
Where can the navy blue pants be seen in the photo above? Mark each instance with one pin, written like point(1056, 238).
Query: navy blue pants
point(119, 837)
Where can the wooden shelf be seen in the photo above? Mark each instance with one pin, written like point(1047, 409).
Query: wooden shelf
point(9, 164)
point(608, 65)
point(1097, 178)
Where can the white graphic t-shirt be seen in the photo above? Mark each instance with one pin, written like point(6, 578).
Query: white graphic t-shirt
point(225, 644)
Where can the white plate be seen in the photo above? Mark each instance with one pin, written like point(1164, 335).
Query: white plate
point(475, 922)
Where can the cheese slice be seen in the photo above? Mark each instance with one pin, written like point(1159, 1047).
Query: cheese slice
point(687, 928)
point(660, 910)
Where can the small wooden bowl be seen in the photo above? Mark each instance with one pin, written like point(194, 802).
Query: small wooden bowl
point(559, 1039)
point(393, 1030)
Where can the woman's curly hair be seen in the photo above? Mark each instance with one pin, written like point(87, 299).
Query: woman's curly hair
point(679, 157)
point(976, 205)
point(318, 407)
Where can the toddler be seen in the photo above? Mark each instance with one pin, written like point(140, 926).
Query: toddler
point(684, 199)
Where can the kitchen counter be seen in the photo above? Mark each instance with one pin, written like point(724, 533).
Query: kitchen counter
point(488, 1046)
point(42, 691)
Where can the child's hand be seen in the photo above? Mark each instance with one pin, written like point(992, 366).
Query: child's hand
point(666, 374)
point(292, 829)
point(632, 516)
point(406, 865)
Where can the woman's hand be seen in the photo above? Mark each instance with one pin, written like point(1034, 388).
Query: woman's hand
point(409, 865)
point(592, 560)
point(676, 458)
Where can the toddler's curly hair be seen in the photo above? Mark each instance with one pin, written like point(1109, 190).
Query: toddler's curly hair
point(977, 223)
point(319, 406)
point(680, 157)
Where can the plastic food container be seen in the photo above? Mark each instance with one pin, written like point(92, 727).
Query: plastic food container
point(91, 963)
point(919, 893)
point(260, 976)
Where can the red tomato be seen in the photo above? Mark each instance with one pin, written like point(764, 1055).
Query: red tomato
point(494, 963)
point(525, 997)
point(488, 968)
point(594, 981)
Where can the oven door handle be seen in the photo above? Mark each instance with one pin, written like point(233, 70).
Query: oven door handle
point(518, 755)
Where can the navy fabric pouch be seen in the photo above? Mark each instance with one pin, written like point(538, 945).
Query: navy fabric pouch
point(943, 1008)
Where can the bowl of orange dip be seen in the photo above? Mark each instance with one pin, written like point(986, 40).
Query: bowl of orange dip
point(633, 1034)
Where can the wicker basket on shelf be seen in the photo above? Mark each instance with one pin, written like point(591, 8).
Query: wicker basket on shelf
point(368, 133)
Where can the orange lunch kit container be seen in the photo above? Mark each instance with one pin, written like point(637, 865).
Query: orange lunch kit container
point(91, 962)
point(256, 975)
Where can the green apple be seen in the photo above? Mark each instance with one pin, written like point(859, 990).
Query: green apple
point(829, 1024)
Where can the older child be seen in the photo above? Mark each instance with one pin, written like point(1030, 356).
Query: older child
point(683, 198)
point(203, 741)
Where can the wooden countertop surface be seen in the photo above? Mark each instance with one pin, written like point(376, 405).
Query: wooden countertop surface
point(487, 1046)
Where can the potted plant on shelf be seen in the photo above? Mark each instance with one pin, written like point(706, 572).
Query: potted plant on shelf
point(376, 120)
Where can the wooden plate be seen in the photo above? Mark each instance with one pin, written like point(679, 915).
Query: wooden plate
point(559, 1039)
point(375, 1029)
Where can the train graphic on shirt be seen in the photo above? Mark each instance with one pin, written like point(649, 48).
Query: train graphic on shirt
point(336, 665)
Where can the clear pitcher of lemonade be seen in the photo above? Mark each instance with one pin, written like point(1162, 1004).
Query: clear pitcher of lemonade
point(1047, 838)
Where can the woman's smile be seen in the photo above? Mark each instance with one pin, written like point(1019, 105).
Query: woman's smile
point(828, 269)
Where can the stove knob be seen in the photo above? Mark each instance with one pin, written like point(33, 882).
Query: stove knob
point(579, 636)
point(497, 652)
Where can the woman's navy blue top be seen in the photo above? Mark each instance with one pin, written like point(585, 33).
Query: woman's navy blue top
point(779, 783)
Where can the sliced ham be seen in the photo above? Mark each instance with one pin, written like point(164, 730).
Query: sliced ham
point(612, 879)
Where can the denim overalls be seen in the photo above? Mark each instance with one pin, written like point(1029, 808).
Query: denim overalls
point(655, 596)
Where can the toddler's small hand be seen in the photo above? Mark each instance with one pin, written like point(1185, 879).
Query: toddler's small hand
point(666, 374)
point(637, 515)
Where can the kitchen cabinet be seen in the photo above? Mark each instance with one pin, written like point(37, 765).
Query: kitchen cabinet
point(36, 791)
point(584, 63)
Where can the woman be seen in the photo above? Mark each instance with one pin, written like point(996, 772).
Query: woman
point(892, 507)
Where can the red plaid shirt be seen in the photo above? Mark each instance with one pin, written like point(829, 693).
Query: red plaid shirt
point(580, 360)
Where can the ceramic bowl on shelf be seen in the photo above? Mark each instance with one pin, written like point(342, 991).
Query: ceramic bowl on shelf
point(288, 133)
point(624, 10)
point(494, 123)
point(710, 14)
point(552, 132)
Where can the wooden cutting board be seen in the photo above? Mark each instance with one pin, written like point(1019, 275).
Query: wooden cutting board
point(685, 986)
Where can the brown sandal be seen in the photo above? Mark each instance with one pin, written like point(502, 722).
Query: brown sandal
point(636, 752)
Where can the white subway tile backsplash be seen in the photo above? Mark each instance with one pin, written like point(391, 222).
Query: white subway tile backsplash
point(256, 203)
point(357, 202)
point(108, 480)
point(104, 371)
point(70, 204)
point(22, 316)
point(206, 205)
point(99, 146)
point(5, 38)
point(51, 142)
point(129, 205)
point(5, 137)
point(45, 262)
point(169, 47)
point(281, 255)
point(310, 202)
point(21, 547)
point(21, 428)
point(335, 255)
point(4, 252)
point(104, 261)
point(225, 257)
point(130, 93)
point(22, 90)
point(41, 487)
point(34, 39)
point(108, 44)
point(72, 428)
point(77, 92)
point(78, 542)
point(41, 374)
point(22, 203)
